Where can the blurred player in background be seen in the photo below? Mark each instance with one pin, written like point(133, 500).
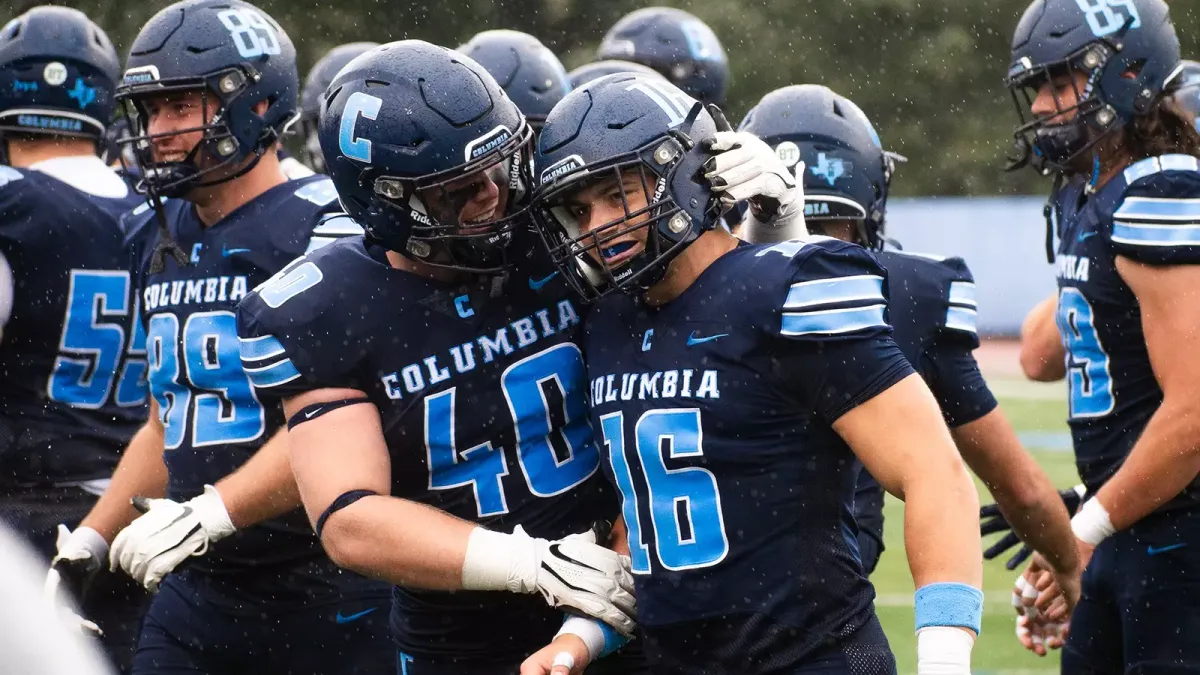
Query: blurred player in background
point(678, 45)
point(529, 73)
point(450, 387)
point(242, 585)
point(314, 90)
point(726, 382)
point(846, 176)
point(72, 355)
point(598, 69)
point(1093, 83)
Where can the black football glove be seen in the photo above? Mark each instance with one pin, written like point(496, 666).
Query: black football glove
point(991, 521)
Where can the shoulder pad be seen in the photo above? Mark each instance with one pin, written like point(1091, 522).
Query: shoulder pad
point(942, 286)
point(822, 289)
point(1157, 220)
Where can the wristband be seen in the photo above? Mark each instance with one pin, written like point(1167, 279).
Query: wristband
point(1092, 524)
point(601, 639)
point(949, 604)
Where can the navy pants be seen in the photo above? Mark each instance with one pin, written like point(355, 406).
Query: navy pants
point(1140, 608)
point(198, 625)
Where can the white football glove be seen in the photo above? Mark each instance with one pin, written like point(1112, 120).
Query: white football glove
point(169, 533)
point(747, 169)
point(573, 572)
point(80, 556)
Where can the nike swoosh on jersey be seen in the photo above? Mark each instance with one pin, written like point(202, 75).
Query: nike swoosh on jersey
point(693, 340)
point(1083, 236)
point(536, 284)
point(226, 252)
point(347, 618)
point(1153, 550)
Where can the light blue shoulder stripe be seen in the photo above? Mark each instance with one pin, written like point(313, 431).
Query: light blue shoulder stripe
point(256, 349)
point(833, 321)
point(1138, 234)
point(961, 318)
point(280, 372)
point(962, 293)
point(835, 290)
point(1154, 208)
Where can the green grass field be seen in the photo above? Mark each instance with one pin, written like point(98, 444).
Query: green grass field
point(1039, 412)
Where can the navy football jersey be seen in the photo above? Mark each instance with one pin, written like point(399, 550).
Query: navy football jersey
point(212, 419)
point(72, 356)
point(714, 416)
point(483, 400)
point(932, 310)
point(1151, 214)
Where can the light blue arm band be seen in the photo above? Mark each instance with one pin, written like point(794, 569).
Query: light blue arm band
point(949, 604)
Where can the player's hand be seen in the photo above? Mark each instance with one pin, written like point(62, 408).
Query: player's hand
point(1040, 637)
point(992, 521)
point(576, 573)
point(168, 534)
point(566, 655)
point(80, 555)
point(747, 169)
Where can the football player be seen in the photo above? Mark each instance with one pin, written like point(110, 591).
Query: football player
point(846, 176)
point(436, 404)
point(598, 69)
point(529, 73)
point(1092, 83)
point(242, 585)
point(314, 88)
point(678, 45)
point(726, 382)
point(72, 355)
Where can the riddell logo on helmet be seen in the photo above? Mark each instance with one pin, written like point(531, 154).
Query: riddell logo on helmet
point(488, 142)
point(141, 75)
point(561, 168)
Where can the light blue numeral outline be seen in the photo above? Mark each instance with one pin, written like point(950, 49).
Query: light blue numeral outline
point(612, 427)
point(464, 465)
point(653, 462)
point(201, 428)
point(99, 306)
point(162, 352)
point(1086, 360)
point(137, 367)
point(582, 450)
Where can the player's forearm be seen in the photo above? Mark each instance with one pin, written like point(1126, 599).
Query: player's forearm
point(140, 472)
point(400, 541)
point(1163, 462)
point(941, 530)
point(1023, 491)
point(263, 487)
point(1042, 352)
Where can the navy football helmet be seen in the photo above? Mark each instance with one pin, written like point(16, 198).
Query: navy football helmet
point(428, 154)
point(598, 69)
point(58, 72)
point(314, 88)
point(635, 140)
point(1188, 94)
point(846, 172)
point(678, 45)
point(530, 74)
point(1129, 52)
point(235, 56)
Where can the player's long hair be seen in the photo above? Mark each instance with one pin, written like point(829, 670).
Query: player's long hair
point(1168, 129)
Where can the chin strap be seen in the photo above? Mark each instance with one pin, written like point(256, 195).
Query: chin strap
point(166, 243)
point(1049, 211)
